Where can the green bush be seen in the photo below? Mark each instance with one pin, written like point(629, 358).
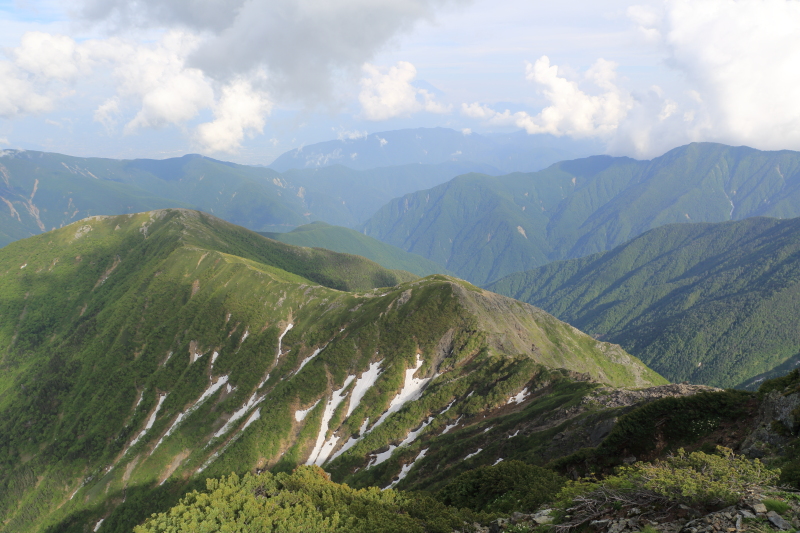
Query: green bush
point(305, 500)
point(699, 479)
point(506, 487)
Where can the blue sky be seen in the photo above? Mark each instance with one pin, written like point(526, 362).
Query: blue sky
point(246, 80)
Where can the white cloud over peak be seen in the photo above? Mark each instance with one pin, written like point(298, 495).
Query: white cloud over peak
point(742, 56)
point(572, 111)
point(241, 111)
point(167, 91)
point(389, 93)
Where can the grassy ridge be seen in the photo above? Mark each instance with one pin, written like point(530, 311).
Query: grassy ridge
point(129, 344)
point(483, 228)
point(708, 303)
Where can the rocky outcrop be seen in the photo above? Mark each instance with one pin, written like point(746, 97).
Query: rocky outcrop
point(775, 426)
point(610, 397)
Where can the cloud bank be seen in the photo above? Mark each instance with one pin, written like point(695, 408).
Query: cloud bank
point(233, 59)
point(739, 58)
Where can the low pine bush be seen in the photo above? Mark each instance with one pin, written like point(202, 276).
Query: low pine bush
point(504, 488)
point(698, 479)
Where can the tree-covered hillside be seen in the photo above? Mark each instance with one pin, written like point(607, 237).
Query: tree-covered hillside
point(708, 303)
point(344, 240)
point(483, 228)
point(140, 354)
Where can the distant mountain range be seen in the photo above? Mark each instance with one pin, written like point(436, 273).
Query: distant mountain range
point(504, 153)
point(708, 303)
point(140, 354)
point(482, 228)
point(41, 191)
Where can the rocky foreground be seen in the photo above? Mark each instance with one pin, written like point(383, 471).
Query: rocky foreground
point(755, 514)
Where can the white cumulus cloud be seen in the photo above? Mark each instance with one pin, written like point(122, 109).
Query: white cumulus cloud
point(157, 78)
point(303, 45)
point(241, 111)
point(18, 96)
point(51, 56)
point(389, 93)
point(742, 56)
point(572, 111)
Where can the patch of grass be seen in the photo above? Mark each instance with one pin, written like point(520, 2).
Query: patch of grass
point(778, 506)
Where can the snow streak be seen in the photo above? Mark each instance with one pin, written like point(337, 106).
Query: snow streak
point(406, 469)
point(322, 449)
point(412, 390)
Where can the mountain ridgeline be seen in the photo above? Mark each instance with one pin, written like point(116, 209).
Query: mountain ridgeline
point(43, 191)
point(482, 228)
point(707, 303)
point(140, 354)
point(503, 153)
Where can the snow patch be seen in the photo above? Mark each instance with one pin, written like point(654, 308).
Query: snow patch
point(406, 469)
point(150, 421)
point(412, 435)
point(519, 398)
point(238, 414)
point(363, 384)
point(309, 358)
point(263, 381)
point(488, 429)
point(411, 391)
point(301, 414)
point(244, 337)
point(352, 441)
point(98, 524)
point(282, 335)
point(322, 448)
point(206, 394)
point(470, 456)
point(514, 435)
point(448, 427)
point(448, 407)
point(214, 358)
point(255, 416)
point(498, 461)
point(381, 457)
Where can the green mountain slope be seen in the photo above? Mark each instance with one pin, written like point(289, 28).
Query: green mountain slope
point(483, 228)
point(344, 240)
point(708, 303)
point(43, 191)
point(142, 353)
